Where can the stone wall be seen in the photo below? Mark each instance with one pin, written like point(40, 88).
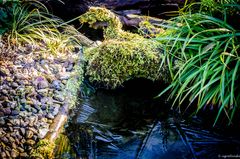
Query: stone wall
point(33, 89)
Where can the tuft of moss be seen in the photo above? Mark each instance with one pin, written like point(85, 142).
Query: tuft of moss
point(149, 30)
point(43, 150)
point(115, 62)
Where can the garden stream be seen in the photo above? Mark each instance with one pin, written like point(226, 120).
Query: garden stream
point(129, 124)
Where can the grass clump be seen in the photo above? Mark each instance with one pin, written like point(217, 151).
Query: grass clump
point(122, 55)
point(29, 22)
point(205, 51)
point(217, 5)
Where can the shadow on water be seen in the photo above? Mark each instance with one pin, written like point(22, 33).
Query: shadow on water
point(128, 124)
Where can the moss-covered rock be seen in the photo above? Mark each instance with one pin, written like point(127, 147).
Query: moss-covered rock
point(98, 15)
point(122, 55)
point(115, 62)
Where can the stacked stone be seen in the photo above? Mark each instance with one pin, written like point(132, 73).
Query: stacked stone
point(32, 89)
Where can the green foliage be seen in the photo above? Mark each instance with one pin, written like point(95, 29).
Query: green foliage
point(213, 7)
point(205, 51)
point(29, 22)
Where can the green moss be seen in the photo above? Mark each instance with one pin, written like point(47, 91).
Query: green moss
point(114, 26)
point(43, 150)
point(122, 55)
point(115, 62)
point(73, 85)
point(149, 30)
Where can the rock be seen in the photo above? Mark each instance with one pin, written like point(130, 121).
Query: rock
point(2, 133)
point(4, 91)
point(9, 79)
point(41, 83)
point(24, 154)
point(35, 137)
point(23, 141)
point(20, 149)
point(28, 108)
point(29, 134)
point(4, 139)
point(30, 142)
point(22, 130)
point(29, 102)
point(12, 104)
point(20, 76)
point(2, 121)
point(11, 139)
point(25, 82)
point(50, 93)
point(43, 92)
point(55, 109)
point(69, 68)
point(10, 127)
point(42, 62)
point(56, 84)
point(8, 154)
point(44, 107)
point(15, 122)
point(14, 146)
point(4, 86)
point(42, 132)
point(33, 130)
point(36, 106)
point(24, 123)
point(15, 113)
point(32, 121)
point(34, 111)
point(40, 115)
point(63, 76)
point(3, 155)
point(14, 153)
point(49, 116)
point(14, 85)
point(45, 100)
point(64, 82)
point(22, 108)
point(12, 92)
point(1, 114)
point(18, 138)
point(23, 100)
point(6, 111)
point(58, 96)
point(44, 120)
point(50, 121)
point(44, 114)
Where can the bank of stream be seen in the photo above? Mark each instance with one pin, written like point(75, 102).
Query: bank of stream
point(128, 123)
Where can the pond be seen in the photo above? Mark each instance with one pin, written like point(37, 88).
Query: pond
point(129, 124)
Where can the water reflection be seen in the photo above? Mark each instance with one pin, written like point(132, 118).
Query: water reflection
point(123, 125)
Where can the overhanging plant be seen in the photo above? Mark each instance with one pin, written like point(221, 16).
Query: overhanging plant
point(203, 57)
